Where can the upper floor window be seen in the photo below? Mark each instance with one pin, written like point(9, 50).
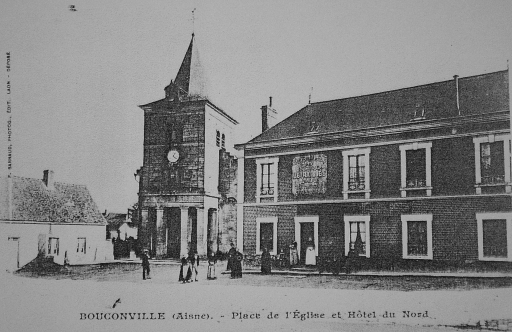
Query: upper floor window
point(176, 135)
point(356, 173)
point(267, 178)
point(218, 138)
point(223, 141)
point(492, 162)
point(494, 236)
point(416, 168)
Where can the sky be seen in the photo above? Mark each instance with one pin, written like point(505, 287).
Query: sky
point(77, 77)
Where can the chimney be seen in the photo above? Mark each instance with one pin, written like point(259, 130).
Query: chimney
point(268, 116)
point(456, 78)
point(48, 179)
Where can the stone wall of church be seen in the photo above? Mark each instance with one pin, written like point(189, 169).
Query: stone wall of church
point(228, 168)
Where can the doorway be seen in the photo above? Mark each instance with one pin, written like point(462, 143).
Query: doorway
point(13, 253)
point(307, 238)
point(172, 217)
point(192, 215)
point(306, 233)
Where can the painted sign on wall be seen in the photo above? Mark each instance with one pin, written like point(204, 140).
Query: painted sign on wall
point(309, 174)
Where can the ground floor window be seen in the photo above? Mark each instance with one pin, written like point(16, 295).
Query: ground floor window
point(357, 234)
point(53, 246)
point(494, 236)
point(266, 235)
point(417, 236)
point(81, 245)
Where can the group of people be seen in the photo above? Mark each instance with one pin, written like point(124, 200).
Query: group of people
point(189, 267)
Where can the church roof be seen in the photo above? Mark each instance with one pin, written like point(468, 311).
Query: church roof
point(191, 77)
point(479, 94)
point(32, 200)
point(190, 86)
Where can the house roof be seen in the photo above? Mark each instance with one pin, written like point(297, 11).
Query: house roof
point(32, 200)
point(479, 94)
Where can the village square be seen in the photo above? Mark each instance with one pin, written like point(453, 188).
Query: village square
point(382, 209)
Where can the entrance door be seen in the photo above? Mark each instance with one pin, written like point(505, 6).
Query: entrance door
point(173, 220)
point(306, 232)
point(307, 237)
point(13, 254)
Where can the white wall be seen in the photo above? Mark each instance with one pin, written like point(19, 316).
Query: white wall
point(125, 232)
point(33, 237)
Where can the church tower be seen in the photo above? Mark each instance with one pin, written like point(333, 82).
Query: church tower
point(187, 184)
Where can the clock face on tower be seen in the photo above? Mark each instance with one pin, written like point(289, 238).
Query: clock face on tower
point(173, 156)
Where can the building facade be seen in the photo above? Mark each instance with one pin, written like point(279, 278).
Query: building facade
point(415, 176)
point(187, 199)
point(44, 219)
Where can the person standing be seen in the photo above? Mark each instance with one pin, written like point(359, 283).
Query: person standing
point(185, 272)
point(310, 252)
point(231, 257)
point(145, 265)
point(236, 265)
point(294, 256)
point(211, 267)
point(266, 262)
point(194, 260)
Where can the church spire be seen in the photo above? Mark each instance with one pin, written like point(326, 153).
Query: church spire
point(190, 82)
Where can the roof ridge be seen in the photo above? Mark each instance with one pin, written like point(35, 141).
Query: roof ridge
point(408, 87)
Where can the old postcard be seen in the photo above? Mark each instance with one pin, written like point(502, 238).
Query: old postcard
point(239, 165)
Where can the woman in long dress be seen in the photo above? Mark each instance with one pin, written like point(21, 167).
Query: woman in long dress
point(310, 253)
point(266, 262)
point(185, 272)
point(236, 267)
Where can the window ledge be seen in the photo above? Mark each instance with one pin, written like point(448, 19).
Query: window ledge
point(418, 257)
point(356, 191)
point(478, 185)
point(495, 259)
point(416, 188)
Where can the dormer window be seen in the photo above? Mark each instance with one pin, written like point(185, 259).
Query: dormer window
point(419, 114)
point(313, 127)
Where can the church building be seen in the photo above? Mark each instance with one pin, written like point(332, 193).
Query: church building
point(187, 184)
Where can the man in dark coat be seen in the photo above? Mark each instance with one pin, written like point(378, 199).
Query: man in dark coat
point(145, 264)
point(231, 257)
